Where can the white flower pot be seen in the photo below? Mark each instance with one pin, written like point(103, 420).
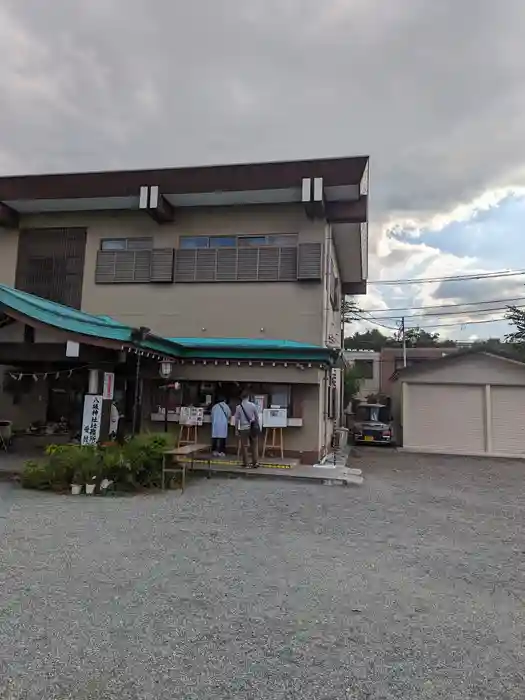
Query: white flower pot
point(76, 489)
point(90, 489)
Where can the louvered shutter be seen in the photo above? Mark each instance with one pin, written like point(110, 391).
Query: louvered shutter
point(105, 267)
point(309, 261)
point(263, 264)
point(288, 264)
point(247, 260)
point(205, 266)
point(142, 266)
point(268, 269)
point(226, 265)
point(123, 267)
point(185, 262)
point(162, 265)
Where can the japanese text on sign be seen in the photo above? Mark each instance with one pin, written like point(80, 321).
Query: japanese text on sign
point(91, 420)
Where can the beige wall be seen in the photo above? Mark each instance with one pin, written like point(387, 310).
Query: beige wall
point(233, 373)
point(14, 333)
point(8, 256)
point(297, 439)
point(291, 311)
point(307, 384)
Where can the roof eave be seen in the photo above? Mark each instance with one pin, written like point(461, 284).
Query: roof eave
point(199, 179)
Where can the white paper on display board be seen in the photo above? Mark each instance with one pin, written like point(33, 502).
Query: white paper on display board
point(190, 415)
point(91, 419)
point(108, 390)
point(72, 349)
point(275, 417)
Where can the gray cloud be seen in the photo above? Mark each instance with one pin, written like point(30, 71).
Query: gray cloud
point(433, 91)
point(483, 289)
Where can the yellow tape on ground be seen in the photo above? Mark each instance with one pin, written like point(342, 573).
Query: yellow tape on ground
point(233, 463)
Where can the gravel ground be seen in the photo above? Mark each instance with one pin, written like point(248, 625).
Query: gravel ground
point(412, 586)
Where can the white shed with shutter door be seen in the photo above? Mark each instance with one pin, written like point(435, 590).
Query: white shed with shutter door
point(508, 419)
point(470, 403)
point(444, 417)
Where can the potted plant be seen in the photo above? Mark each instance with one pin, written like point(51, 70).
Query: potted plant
point(91, 485)
point(76, 484)
point(105, 484)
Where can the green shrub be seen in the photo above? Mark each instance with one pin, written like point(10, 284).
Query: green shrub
point(68, 463)
point(143, 455)
point(113, 463)
point(35, 476)
point(137, 463)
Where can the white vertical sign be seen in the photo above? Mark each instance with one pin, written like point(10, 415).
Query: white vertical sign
point(108, 389)
point(91, 419)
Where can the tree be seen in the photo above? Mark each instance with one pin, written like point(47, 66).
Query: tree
point(491, 344)
point(516, 317)
point(369, 340)
point(352, 383)
point(419, 338)
point(349, 311)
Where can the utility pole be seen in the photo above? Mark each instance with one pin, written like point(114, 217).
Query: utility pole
point(404, 341)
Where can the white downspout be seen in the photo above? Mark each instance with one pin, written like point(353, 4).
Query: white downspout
point(488, 420)
point(326, 293)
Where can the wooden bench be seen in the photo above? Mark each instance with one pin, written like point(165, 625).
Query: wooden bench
point(168, 467)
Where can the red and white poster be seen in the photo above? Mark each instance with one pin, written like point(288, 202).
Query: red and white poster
point(108, 389)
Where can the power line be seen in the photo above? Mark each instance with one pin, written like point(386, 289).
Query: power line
point(443, 306)
point(466, 323)
point(414, 317)
point(452, 278)
point(376, 323)
point(439, 325)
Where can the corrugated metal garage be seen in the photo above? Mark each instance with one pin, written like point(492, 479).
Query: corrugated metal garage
point(468, 403)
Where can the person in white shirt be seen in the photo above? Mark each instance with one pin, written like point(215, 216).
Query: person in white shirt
point(247, 428)
point(220, 417)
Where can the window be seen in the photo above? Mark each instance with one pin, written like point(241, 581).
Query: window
point(365, 368)
point(252, 241)
point(192, 242)
point(283, 240)
point(126, 244)
point(222, 242)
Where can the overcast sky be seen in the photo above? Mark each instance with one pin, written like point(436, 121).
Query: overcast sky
point(433, 91)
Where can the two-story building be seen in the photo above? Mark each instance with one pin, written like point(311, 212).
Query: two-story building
point(242, 267)
point(367, 365)
point(391, 360)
